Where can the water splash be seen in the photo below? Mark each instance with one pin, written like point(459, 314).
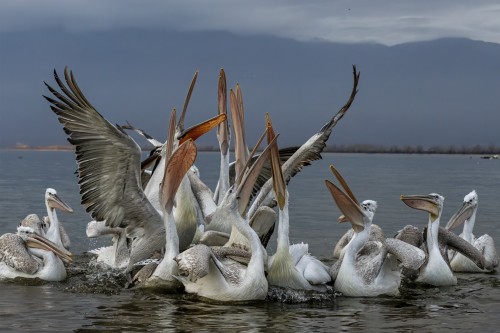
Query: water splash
point(286, 295)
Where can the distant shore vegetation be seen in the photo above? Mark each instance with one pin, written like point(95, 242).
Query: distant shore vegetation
point(343, 148)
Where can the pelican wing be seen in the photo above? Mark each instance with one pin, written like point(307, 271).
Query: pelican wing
point(307, 153)
point(410, 256)
point(462, 246)
point(108, 160)
point(14, 253)
point(194, 262)
point(411, 235)
point(486, 245)
point(214, 238)
point(370, 260)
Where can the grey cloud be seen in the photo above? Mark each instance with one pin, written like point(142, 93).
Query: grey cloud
point(386, 22)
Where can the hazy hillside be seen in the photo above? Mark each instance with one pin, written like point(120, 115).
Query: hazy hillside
point(439, 92)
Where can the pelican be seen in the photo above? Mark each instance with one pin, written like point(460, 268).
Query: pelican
point(203, 272)
point(33, 221)
point(366, 268)
point(437, 271)
point(27, 254)
point(295, 160)
point(485, 243)
point(109, 170)
point(54, 230)
point(291, 266)
point(176, 167)
point(185, 208)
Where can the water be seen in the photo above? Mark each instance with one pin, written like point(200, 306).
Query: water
point(94, 300)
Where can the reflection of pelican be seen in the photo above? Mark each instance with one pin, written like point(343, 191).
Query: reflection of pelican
point(485, 244)
point(291, 266)
point(436, 271)
point(109, 170)
point(29, 255)
point(207, 274)
point(54, 230)
point(366, 269)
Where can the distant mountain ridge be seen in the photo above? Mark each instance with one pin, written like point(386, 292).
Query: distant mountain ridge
point(442, 92)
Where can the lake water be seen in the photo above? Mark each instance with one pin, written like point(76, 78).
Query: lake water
point(95, 300)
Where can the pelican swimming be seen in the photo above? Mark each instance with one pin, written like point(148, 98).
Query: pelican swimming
point(109, 170)
point(366, 268)
point(27, 254)
point(295, 159)
point(291, 266)
point(485, 243)
point(437, 271)
point(185, 209)
point(178, 163)
point(54, 230)
point(207, 274)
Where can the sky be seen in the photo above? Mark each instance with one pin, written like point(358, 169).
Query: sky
point(289, 56)
point(384, 21)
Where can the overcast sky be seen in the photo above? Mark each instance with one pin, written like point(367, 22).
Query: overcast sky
point(355, 21)
point(131, 56)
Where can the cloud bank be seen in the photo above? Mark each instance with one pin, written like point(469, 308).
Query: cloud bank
point(385, 22)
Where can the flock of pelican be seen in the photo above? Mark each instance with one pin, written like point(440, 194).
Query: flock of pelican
point(171, 231)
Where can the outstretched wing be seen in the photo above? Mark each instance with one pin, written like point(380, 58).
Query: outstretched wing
point(109, 161)
point(307, 153)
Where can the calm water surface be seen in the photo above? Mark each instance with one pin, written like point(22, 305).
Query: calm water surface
point(93, 299)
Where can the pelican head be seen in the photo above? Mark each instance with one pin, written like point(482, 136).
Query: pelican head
point(359, 215)
point(369, 207)
point(465, 212)
point(53, 201)
point(35, 241)
point(32, 221)
point(431, 203)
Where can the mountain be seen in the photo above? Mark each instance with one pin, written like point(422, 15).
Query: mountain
point(441, 92)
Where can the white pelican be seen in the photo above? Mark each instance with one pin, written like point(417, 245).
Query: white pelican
point(485, 243)
point(27, 254)
point(294, 160)
point(291, 266)
point(436, 271)
point(109, 170)
point(365, 268)
point(208, 275)
point(178, 163)
point(54, 231)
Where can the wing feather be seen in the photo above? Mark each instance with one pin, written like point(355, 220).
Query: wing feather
point(109, 161)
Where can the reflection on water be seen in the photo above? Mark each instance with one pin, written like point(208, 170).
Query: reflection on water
point(93, 299)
